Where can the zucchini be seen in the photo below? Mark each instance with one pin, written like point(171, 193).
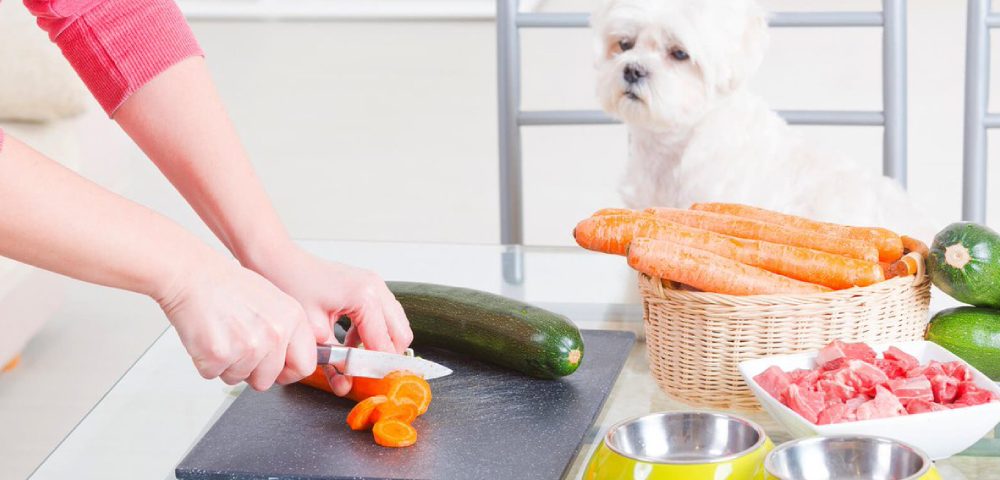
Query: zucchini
point(972, 333)
point(491, 328)
point(964, 262)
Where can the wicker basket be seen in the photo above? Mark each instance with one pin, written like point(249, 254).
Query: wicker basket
point(695, 340)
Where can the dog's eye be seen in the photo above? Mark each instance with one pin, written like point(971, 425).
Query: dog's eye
point(679, 55)
point(625, 44)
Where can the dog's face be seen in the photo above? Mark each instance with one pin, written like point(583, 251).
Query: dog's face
point(663, 63)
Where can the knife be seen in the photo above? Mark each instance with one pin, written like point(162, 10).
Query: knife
point(358, 362)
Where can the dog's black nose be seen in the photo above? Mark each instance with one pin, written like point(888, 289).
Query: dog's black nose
point(634, 72)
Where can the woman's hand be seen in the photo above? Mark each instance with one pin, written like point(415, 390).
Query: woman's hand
point(239, 327)
point(328, 290)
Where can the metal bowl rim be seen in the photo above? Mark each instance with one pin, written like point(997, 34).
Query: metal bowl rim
point(761, 438)
point(769, 460)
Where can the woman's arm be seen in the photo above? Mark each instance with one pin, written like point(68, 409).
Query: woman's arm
point(234, 324)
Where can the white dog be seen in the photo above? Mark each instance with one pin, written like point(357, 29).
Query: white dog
point(675, 72)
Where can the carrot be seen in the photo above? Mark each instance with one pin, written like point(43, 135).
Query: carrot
point(394, 433)
point(911, 244)
point(401, 409)
point(360, 417)
point(318, 380)
point(889, 244)
point(612, 234)
point(414, 388)
point(758, 230)
point(11, 365)
point(615, 211)
point(709, 272)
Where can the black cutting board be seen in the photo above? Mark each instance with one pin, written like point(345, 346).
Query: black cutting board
point(485, 423)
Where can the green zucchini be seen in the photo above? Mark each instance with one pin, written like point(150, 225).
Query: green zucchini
point(972, 333)
point(964, 262)
point(491, 328)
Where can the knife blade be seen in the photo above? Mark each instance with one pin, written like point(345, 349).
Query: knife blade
point(358, 362)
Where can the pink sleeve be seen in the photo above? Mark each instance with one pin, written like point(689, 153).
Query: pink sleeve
point(116, 46)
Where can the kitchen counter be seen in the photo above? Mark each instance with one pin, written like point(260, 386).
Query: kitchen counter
point(158, 410)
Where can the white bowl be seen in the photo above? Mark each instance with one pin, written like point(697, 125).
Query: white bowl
point(940, 434)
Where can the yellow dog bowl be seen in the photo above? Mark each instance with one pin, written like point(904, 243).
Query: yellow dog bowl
point(681, 445)
point(836, 457)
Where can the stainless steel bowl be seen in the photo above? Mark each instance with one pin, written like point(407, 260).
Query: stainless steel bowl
point(846, 457)
point(684, 438)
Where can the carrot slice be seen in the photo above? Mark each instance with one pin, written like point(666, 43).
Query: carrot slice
point(414, 388)
point(612, 234)
point(889, 244)
point(394, 433)
point(710, 272)
point(758, 230)
point(360, 417)
point(402, 409)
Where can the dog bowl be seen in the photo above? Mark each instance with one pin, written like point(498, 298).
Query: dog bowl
point(848, 457)
point(681, 445)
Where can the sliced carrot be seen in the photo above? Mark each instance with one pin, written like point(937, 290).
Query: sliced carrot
point(402, 409)
point(360, 417)
point(612, 234)
point(889, 244)
point(363, 387)
point(758, 230)
point(318, 380)
point(710, 272)
point(414, 388)
point(394, 433)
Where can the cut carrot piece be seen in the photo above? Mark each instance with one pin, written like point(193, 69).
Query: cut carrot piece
point(402, 409)
point(360, 417)
point(612, 234)
point(11, 365)
point(710, 272)
point(758, 230)
point(414, 388)
point(394, 433)
point(889, 244)
point(363, 387)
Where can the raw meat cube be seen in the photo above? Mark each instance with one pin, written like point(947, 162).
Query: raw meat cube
point(835, 391)
point(805, 378)
point(834, 413)
point(774, 381)
point(945, 388)
point(866, 376)
point(922, 406)
point(911, 389)
point(958, 371)
point(968, 394)
point(831, 356)
point(805, 402)
point(891, 368)
point(901, 358)
point(854, 403)
point(859, 351)
point(884, 405)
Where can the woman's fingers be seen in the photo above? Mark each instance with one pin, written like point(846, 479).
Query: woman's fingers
point(396, 323)
point(371, 326)
point(300, 358)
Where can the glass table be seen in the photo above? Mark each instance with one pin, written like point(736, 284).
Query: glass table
point(157, 411)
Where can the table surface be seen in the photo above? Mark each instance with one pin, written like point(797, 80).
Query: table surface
point(160, 407)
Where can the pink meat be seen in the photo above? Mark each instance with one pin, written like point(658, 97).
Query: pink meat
point(805, 402)
point(859, 351)
point(891, 368)
point(911, 389)
point(884, 405)
point(923, 406)
point(958, 371)
point(968, 394)
point(833, 413)
point(944, 387)
point(835, 391)
point(901, 358)
point(866, 376)
point(774, 381)
point(831, 356)
point(806, 379)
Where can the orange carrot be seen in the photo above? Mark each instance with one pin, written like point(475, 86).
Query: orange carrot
point(911, 244)
point(318, 380)
point(889, 244)
point(394, 433)
point(758, 230)
point(710, 272)
point(11, 365)
point(360, 417)
point(414, 388)
point(612, 234)
point(401, 409)
point(615, 211)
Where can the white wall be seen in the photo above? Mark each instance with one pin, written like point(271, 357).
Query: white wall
point(387, 131)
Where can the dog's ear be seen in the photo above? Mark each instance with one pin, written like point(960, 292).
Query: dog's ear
point(746, 58)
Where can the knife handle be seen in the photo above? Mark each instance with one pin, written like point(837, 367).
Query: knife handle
point(333, 355)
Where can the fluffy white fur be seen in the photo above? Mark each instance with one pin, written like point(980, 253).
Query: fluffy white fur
point(698, 135)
